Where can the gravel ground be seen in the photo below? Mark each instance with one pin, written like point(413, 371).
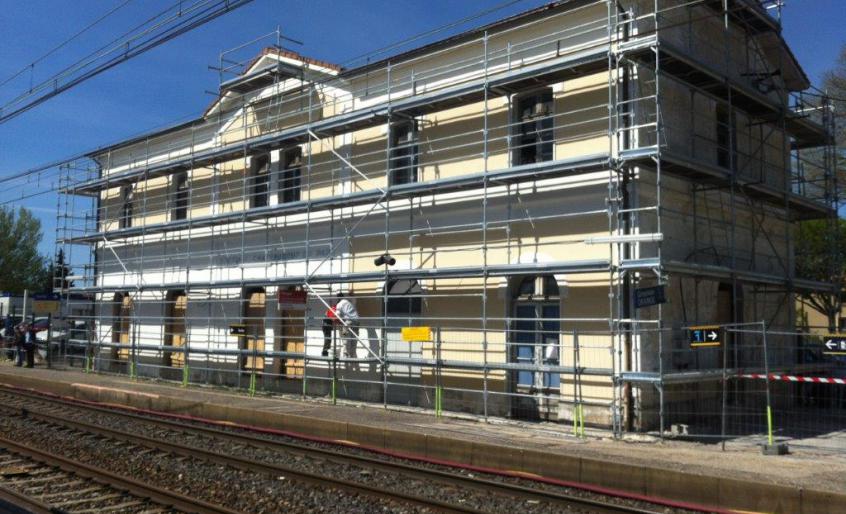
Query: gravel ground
point(223, 485)
point(451, 493)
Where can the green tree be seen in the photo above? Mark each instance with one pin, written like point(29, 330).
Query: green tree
point(834, 85)
point(819, 251)
point(21, 266)
point(56, 270)
point(821, 244)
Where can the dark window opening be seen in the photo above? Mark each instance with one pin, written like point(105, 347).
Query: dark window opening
point(403, 155)
point(405, 297)
point(726, 144)
point(127, 197)
point(180, 196)
point(533, 127)
point(544, 286)
point(259, 181)
point(289, 182)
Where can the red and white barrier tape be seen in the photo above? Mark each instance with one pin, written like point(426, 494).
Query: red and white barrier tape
point(793, 378)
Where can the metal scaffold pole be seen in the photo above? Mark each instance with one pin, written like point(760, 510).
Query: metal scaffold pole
point(485, 136)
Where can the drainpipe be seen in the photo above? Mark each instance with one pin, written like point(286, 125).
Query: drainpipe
point(628, 395)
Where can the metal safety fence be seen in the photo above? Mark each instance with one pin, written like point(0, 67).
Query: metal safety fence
point(736, 384)
point(531, 370)
point(753, 385)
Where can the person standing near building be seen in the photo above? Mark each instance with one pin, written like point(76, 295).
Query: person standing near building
point(346, 312)
point(30, 343)
point(9, 337)
point(329, 320)
point(20, 341)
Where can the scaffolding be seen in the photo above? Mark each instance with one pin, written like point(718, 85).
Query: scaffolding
point(526, 179)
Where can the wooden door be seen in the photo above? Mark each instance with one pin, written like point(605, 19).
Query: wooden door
point(176, 328)
point(292, 341)
point(254, 314)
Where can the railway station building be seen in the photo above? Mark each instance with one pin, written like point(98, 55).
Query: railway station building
point(550, 200)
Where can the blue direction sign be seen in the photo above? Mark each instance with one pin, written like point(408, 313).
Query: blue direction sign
point(704, 336)
point(649, 296)
point(46, 297)
point(835, 344)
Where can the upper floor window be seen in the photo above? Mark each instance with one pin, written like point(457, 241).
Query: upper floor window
point(289, 180)
point(127, 196)
point(403, 154)
point(532, 129)
point(726, 137)
point(258, 185)
point(180, 196)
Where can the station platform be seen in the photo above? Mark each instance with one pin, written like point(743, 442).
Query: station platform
point(740, 478)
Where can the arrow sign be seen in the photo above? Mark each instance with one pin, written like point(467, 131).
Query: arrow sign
point(835, 344)
point(704, 336)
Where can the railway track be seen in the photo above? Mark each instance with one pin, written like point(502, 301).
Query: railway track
point(37, 481)
point(63, 414)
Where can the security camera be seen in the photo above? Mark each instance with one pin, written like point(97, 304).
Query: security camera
point(383, 259)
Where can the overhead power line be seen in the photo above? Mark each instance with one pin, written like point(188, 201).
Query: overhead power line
point(174, 21)
point(31, 66)
point(372, 54)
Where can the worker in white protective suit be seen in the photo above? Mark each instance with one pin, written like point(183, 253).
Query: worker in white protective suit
point(345, 311)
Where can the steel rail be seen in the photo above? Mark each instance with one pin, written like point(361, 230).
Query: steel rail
point(341, 457)
point(14, 502)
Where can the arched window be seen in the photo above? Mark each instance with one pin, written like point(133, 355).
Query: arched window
point(404, 308)
point(404, 298)
point(534, 341)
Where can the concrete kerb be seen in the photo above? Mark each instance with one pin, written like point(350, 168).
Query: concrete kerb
point(638, 480)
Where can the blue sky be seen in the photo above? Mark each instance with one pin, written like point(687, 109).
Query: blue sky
point(170, 82)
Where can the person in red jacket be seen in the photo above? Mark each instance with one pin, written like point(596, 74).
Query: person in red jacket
point(329, 320)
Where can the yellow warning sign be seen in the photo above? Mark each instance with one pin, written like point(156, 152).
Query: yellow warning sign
point(411, 334)
point(45, 307)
